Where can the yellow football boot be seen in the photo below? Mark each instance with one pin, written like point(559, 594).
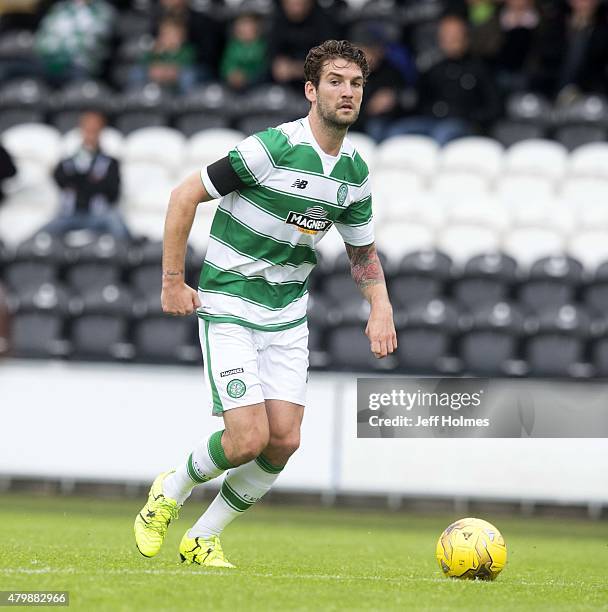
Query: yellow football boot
point(152, 522)
point(203, 551)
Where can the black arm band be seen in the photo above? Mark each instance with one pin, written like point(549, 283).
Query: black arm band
point(224, 178)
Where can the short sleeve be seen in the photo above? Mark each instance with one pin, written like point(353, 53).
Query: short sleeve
point(251, 160)
point(356, 224)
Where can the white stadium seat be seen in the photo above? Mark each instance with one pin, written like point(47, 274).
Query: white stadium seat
point(365, 146)
point(160, 145)
point(537, 157)
point(138, 176)
point(484, 210)
point(210, 145)
point(20, 218)
point(548, 213)
point(419, 207)
point(416, 153)
point(590, 160)
point(461, 242)
point(111, 141)
point(591, 215)
point(398, 239)
point(590, 248)
point(577, 191)
point(33, 142)
point(476, 154)
point(451, 187)
point(517, 188)
point(528, 244)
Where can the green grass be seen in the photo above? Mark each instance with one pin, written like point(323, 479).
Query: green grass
point(292, 559)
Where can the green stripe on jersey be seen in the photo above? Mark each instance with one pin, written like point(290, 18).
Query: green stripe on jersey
point(232, 232)
point(358, 213)
point(274, 296)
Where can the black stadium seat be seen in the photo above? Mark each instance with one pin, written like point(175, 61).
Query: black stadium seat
point(166, 339)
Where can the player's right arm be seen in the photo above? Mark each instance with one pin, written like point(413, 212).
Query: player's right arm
point(177, 298)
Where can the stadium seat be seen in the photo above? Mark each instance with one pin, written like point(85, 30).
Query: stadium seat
point(258, 123)
point(21, 275)
point(425, 333)
point(83, 95)
point(556, 347)
point(349, 349)
point(418, 154)
point(579, 191)
point(573, 136)
point(12, 117)
point(66, 121)
point(37, 334)
point(405, 205)
point(590, 160)
point(515, 189)
point(212, 99)
point(477, 209)
point(400, 238)
point(486, 279)
point(33, 141)
point(192, 123)
point(84, 276)
point(24, 93)
point(529, 107)
point(365, 146)
point(132, 121)
point(271, 99)
point(166, 339)
point(475, 154)
point(528, 244)
point(155, 145)
point(537, 158)
point(584, 110)
point(111, 142)
point(508, 133)
point(552, 281)
point(590, 248)
point(549, 213)
point(490, 346)
point(461, 242)
point(209, 146)
point(595, 293)
point(420, 277)
point(450, 187)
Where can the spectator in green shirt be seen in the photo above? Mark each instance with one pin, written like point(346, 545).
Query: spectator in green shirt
point(244, 62)
point(171, 62)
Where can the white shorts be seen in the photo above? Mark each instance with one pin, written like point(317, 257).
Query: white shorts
point(244, 366)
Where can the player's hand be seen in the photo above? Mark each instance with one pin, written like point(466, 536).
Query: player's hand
point(381, 330)
point(179, 299)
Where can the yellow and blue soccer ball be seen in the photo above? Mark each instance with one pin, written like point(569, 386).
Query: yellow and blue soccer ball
point(471, 548)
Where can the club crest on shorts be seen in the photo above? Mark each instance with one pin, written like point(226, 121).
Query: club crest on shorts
point(312, 221)
point(342, 194)
point(236, 388)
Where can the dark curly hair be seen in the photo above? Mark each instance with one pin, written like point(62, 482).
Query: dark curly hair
point(332, 49)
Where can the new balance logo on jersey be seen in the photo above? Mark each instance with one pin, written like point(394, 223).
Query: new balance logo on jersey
point(312, 221)
point(300, 183)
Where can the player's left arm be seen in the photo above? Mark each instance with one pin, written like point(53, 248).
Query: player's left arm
point(366, 270)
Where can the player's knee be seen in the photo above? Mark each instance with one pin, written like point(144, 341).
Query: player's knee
point(252, 445)
point(285, 446)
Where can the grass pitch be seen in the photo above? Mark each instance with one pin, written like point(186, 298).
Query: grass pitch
point(292, 559)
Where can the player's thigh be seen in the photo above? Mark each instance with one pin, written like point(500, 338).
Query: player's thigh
point(231, 366)
point(246, 426)
point(283, 365)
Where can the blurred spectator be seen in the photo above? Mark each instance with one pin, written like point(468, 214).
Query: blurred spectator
point(90, 186)
point(171, 63)
point(7, 168)
point(298, 25)
point(74, 39)
point(572, 51)
point(244, 62)
point(203, 32)
point(456, 96)
point(380, 106)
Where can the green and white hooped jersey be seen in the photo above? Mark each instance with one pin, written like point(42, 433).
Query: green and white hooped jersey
point(263, 236)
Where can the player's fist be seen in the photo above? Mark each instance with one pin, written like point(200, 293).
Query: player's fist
point(179, 299)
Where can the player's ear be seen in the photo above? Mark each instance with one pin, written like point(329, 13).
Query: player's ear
point(310, 91)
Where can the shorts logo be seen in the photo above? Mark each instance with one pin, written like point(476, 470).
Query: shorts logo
point(236, 388)
point(312, 221)
point(342, 194)
point(231, 372)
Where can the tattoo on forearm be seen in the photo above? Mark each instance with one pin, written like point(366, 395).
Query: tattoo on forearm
point(365, 265)
point(173, 273)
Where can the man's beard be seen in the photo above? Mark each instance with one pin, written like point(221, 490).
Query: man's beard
point(331, 119)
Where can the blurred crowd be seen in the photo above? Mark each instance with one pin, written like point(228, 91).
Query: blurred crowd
point(439, 68)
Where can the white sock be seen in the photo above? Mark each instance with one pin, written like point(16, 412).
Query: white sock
point(206, 462)
point(242, 487)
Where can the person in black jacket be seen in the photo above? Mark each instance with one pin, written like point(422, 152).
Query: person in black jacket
point(457, 96)
point(90, 186)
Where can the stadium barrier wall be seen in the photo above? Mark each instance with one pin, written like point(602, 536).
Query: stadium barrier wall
point(127, 423)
